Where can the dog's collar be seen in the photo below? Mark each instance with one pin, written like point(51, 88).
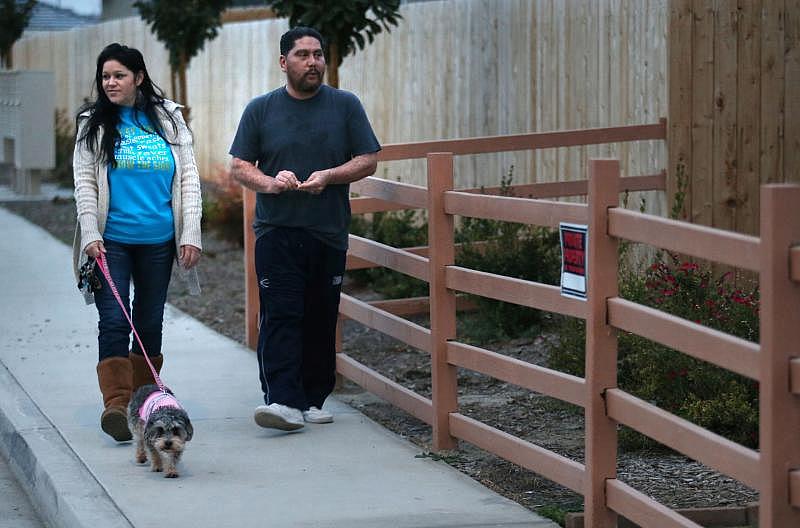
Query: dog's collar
point(157, 400)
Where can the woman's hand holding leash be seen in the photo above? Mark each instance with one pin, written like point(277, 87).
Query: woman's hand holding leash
point(94, 249)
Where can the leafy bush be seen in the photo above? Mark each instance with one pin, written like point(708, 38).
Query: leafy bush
point(514, 250)
point(709, 396)
point(223, 211)
point(399, 229)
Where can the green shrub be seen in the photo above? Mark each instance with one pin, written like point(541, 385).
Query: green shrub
point(514, 250)
point(399, 229)
point(709, 396)
point(554, 513)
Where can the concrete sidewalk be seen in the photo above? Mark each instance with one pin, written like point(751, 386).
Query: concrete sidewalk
point(352, 473)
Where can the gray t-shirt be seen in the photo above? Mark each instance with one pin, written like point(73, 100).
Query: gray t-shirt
point(279, 132)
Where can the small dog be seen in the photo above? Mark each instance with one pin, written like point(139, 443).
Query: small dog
point(157, 421)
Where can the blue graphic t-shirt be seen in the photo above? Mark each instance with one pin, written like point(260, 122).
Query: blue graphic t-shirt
point(140, 209)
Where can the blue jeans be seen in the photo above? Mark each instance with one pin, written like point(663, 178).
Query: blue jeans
point(150, 267)
point(300, 282)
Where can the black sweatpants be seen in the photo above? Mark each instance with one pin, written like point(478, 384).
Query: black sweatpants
point(300, 282)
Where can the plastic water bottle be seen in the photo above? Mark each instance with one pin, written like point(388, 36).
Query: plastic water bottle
point(190, 278)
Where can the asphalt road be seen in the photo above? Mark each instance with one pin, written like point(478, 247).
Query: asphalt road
point(16, 510)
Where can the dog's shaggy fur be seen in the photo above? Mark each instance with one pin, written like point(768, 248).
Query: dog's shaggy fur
point(165, 434)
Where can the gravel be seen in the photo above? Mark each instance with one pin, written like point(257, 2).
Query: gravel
point(668, 477)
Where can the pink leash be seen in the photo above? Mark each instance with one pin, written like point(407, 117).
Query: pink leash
point(101, 263)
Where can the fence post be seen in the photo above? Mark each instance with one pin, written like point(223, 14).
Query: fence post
point(779, 335)
point(251, 303)
point(601, 343)
point(444, 387)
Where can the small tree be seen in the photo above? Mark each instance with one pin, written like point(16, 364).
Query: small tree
point(343, 24)
point(15, 16)
point(184, 27)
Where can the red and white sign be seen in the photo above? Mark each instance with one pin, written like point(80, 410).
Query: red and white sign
point(574, 250)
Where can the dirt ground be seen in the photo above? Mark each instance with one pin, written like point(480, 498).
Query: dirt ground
point(669, 478)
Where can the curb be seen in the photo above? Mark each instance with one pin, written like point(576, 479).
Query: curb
point(63, 491)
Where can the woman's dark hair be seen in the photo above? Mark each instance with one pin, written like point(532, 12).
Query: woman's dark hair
point(103, 113)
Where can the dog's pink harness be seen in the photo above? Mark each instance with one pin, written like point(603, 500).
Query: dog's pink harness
point(157, 400)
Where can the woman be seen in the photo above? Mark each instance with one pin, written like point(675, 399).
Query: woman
point(137, 193)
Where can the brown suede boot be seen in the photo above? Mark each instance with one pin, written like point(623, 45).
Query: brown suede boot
point(141, 371)
point(116, 377)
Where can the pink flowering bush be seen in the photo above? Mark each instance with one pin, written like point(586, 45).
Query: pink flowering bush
point(685, 289)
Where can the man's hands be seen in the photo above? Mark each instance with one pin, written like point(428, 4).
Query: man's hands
point(287, 181)
point(247, 174)
point(317, 181)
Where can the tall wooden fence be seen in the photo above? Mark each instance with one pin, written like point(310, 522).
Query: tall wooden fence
point(734, 73)
point(775, 256)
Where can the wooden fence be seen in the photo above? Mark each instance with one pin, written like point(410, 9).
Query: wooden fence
point(734, 72)
point(775, 256)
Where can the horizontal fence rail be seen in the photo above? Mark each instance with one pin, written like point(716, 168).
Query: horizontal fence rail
point(410, 196)
point(653, 182)
point(725, 247)
point(389, 257)
point(401, 329)
point(411, 402)
point(539, 140)
point(724, 350)
point(511, 209)
point(366, 204)
point(641, 509)
point(418, 305)
point(512, 290)
point(683, 436)
point(354, 262)
point(555, 467)
point(565, 387)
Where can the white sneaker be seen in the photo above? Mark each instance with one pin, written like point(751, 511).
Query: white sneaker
point(317, 416)
point(277, 416)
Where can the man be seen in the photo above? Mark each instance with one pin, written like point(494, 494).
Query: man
point(299, 147)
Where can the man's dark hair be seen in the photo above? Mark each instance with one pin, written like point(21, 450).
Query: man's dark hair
point(290, 37)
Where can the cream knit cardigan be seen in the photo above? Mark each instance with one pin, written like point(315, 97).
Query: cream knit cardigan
point(92, 195)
